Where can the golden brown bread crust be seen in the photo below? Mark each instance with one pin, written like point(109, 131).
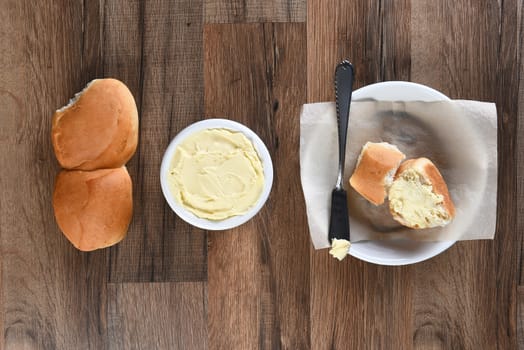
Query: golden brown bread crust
point(99, 130)
point(93, 208)
point(377, 161)
point(431, 175)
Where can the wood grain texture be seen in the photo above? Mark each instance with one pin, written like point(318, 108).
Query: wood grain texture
point(520, 189)
point(258, 295)
point(520, 182)
point(157, 316)
point(53, 296)
point(520, 318)
point(241, 11)
point(375, 36)
point(370, 34)
point(477, 280)
point(520, 151)
point(156, 48)
point(355, 305)
point(453, 300)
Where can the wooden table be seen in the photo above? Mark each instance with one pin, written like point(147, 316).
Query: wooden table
point(261, 286)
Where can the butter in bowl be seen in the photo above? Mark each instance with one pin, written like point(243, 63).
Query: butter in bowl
point(216, 174)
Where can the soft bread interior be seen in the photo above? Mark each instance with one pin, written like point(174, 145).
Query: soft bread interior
point(414, 203)
point(418, 197)
point(75, 98)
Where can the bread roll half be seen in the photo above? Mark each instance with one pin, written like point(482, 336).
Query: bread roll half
point(93, 208)
point(98, 128)
point(376, 167)
point(419, 197)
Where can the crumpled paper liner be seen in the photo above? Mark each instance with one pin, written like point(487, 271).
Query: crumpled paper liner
point(459, 136)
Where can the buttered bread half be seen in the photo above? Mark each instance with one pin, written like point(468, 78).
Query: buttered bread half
point(419, 197)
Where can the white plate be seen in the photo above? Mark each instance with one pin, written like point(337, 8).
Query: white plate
point(234, 221)
point(400, 252)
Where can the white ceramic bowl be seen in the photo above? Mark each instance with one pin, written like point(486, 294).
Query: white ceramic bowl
point(231, 222)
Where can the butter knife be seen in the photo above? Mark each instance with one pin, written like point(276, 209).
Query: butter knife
point(339, 220)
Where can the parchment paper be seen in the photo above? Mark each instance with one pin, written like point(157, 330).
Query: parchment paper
point(459, 136)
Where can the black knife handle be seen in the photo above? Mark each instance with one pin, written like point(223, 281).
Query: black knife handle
point(339, 221)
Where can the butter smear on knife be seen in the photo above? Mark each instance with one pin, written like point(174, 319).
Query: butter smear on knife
point(339, 248)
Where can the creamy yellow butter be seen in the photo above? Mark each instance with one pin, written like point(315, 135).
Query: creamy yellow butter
point(216, 174)
point(339, 248)
point(416, 202)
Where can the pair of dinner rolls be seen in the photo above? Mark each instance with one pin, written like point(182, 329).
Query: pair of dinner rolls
point(418, 195)
point(93, 137)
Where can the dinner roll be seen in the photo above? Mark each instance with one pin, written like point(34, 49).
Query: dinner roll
point(93, 208)
point(419, 197)
point(376, 167)
point(98, 128)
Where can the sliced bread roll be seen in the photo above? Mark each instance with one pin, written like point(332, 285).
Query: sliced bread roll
point(419, 197)
point(93, 208)
point(375, 170)
point(98, 128)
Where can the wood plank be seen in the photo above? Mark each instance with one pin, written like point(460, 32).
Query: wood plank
point(258, 295)
point(241, 11)
point(373, 35)
point(520, 149)
point(453, 295)
point(520, 318)
point(357, 305)
point(45, 57)
point(395, 42)
point(156, 48)
point(335, 31)
point(157, 315)
point(474, 282)
point(520, 188)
